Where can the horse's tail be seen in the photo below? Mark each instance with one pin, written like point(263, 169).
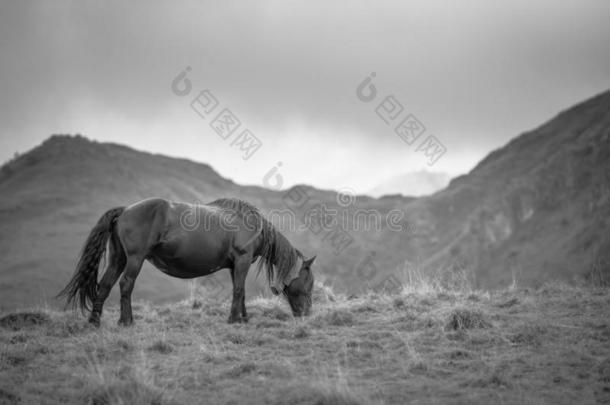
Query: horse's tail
point(81, 291)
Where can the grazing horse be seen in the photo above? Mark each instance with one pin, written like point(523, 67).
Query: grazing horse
point(187, 241)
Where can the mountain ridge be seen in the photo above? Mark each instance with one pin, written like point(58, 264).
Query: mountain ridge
point(414, 184)
point(535, 209)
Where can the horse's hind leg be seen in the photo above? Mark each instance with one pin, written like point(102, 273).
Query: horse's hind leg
point(139, 230)
point(132, 269)
point(116, 262)
point(111, 275)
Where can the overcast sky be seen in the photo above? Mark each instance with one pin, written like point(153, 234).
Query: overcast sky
point(475, 74)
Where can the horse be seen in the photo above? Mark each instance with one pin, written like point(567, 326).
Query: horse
point(187, 241)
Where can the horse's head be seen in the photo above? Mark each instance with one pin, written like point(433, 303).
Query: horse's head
point(299, 290)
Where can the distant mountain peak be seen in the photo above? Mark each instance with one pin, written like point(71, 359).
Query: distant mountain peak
point(413, 184)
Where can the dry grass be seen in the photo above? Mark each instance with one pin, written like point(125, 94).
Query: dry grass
point(462, 318)
point(426, 345)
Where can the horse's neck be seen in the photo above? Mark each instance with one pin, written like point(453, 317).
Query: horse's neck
point(285, 276)
point(284, 245)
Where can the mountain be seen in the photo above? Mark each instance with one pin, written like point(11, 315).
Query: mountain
point(413, 184)
point(536, 209)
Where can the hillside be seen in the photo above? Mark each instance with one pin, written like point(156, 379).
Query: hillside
point(534, 210)
point(422, 346)
point(537, 209)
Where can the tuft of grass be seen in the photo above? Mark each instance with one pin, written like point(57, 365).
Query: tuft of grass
point(128, 391)
point(494, 380)
point(398, 303)
point(507, 304)
point(235, 338)
point(528, 335)
point(323, 294)
point(8, 397)
point(130, 384)
point(211, 310)
point(419, 367)
point(321, 393)
point(21, 320)
point(364, 308)
point(241, 369)
point(339, 317)
point(301, 332)
point(335, 397)
point(16, 339)
point(124, 345)
point(416, 282)
point(161, 346)
point(269, 324)
point(263, 339)
point(467, 319)
point(67, 326)
point(17, 359)
point(459, 354)
point(275, 312)
point(329, 387)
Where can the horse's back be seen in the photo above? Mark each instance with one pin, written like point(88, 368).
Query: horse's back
point(175, 213)
point(148, 203)
point(191, 240)
point(145, 211)
point(183, 228)
point(141, 223)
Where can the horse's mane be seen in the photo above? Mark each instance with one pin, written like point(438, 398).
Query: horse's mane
point(275, 249)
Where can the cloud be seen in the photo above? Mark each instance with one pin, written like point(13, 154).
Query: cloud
point(475, 73)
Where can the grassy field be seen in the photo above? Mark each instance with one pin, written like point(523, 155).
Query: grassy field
point(425, 345)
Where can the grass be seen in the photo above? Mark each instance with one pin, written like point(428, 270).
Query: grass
point(422, 346)
point(462, 318)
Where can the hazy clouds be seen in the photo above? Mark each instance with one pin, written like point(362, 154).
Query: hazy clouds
point(476, 73)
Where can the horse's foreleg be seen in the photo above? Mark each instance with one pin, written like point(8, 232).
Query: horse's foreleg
point(239, 273)
point(244, 314)
point(132, 269)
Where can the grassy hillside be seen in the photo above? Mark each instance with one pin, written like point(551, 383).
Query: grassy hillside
point(423, 345)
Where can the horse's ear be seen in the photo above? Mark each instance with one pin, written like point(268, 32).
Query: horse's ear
point(309, 262)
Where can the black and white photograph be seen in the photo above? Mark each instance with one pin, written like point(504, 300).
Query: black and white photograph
point(304, 202)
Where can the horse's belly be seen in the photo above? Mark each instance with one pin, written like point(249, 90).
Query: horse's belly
point(182, 259)
point(191, 253)
point(184, 269)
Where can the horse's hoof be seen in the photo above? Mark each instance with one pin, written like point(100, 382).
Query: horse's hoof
point(123, 322)
point(236, 320)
